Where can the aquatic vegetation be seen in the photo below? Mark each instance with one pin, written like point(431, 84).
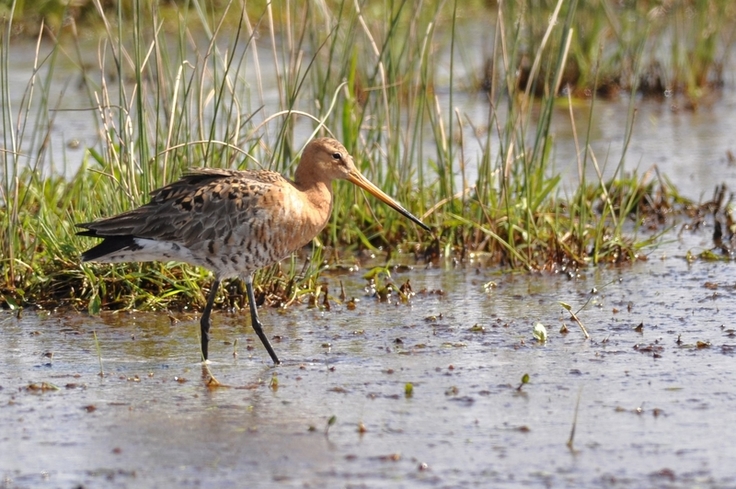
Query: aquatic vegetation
point(539, 332)
point(676, 50)
point(183, 87)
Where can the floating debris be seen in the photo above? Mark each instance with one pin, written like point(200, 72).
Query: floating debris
point(540, 333)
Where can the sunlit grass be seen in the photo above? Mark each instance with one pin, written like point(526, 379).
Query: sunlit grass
point(187, 87)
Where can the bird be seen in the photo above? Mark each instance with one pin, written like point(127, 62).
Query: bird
point(233, 222)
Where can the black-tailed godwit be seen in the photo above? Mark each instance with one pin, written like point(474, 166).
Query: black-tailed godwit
point(233, 222)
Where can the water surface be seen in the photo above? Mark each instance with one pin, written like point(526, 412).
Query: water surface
point(692, 148)
point(654, 383)
point(655, 402)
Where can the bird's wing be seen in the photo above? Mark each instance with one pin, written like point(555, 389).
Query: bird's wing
point(204, 204)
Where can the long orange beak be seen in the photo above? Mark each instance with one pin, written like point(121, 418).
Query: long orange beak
point(358, 179)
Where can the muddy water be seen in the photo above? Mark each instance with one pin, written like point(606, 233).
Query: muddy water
point(655, 405)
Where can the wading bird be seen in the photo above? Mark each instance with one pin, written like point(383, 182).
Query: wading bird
point(232, 222)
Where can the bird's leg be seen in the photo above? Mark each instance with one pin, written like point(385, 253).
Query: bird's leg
point(205, 321)
point(257, 322)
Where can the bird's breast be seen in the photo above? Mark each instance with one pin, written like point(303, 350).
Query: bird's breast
point(253, 236)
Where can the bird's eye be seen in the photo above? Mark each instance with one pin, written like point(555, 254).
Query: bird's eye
point(337, 156)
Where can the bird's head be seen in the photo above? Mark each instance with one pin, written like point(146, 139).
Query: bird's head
point(325, 159)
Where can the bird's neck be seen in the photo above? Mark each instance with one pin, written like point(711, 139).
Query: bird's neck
point(319, 195)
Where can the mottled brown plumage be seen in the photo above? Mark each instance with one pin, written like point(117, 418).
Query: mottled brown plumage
point(232, 222)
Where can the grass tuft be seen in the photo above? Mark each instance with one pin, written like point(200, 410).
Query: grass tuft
point(189, 84)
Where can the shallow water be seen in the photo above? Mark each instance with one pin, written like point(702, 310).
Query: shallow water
point(692, 148)
point(652, 412)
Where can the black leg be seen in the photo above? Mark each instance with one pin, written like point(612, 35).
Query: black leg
point(256, 322)
point(205, 322)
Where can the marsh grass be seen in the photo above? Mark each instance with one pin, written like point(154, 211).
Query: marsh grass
point(682, 47)
point(166, 99)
